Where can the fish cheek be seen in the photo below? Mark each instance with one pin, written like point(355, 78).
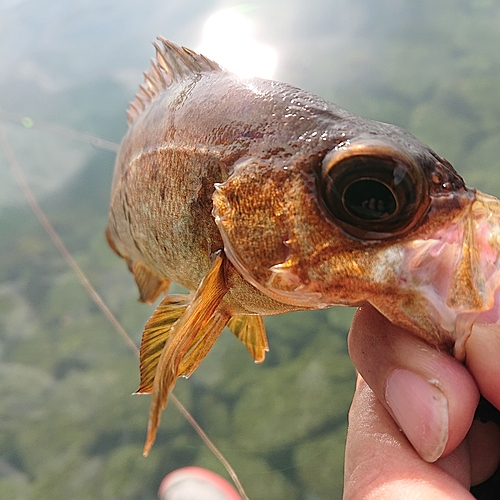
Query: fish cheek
point(277, 237)
point(249, 210)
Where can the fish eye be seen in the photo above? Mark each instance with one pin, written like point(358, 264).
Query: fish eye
point(373, 191)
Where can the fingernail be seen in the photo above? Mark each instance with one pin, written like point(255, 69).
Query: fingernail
point(421, 410)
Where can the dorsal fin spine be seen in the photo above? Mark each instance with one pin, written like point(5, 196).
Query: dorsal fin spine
point(162, 60)
point(153, 84)
point(139, 101)
point(158, 74)
point(173, 63)
point(145, 92)
point(133, 109)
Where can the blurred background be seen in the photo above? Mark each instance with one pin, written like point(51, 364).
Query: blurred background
point(69, 427)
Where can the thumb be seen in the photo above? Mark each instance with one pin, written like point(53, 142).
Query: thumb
point(430, 395)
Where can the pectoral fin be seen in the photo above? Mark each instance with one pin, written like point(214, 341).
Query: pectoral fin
point(156, 333)
point(188, 341)
point(252, 332)
point(203, 343)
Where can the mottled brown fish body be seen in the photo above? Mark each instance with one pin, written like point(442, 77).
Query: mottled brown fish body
point(195, 134)
point(192, 136)
point(261, 198)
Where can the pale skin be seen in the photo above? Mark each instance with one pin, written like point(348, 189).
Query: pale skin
point(433, 397)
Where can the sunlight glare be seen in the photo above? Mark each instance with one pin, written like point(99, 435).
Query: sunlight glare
point(228, 40)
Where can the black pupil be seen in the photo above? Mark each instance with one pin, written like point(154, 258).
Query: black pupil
point(369, 199)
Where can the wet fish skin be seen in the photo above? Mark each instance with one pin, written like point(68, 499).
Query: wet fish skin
point(263, 121)
point(227, 186)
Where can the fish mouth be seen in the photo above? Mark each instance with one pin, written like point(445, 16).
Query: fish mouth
point(475, 277)
point(456, 269)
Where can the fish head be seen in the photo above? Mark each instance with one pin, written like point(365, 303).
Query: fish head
point(372, 219)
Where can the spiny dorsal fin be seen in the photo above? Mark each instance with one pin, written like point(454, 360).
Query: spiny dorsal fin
point(172, 64)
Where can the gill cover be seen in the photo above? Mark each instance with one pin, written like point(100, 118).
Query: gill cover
point(263, 212)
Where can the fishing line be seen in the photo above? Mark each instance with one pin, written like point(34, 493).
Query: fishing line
point(23, 183)
point(57, 129)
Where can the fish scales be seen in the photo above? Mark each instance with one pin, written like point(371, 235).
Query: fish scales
point(261, 198)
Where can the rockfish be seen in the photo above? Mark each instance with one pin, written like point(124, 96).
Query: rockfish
point(261, 198)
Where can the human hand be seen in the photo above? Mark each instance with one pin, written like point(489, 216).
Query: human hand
point(432, 397)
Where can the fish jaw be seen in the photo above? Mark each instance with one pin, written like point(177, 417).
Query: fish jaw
point(456, 270)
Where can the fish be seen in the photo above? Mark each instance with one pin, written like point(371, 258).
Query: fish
point(260, 198)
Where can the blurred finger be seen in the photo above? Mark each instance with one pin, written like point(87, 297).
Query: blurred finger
point(484, 450)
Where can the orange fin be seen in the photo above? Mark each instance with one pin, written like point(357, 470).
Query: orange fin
point(155, 335)
point(150, 283)
point(111, 242)
point(252, 332)
point(203, 342)
point(189, 340)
